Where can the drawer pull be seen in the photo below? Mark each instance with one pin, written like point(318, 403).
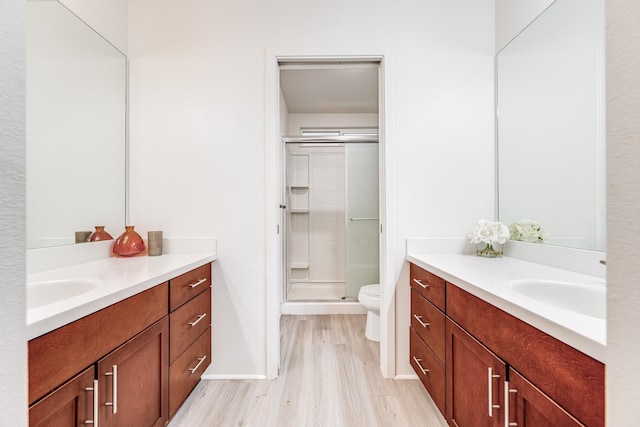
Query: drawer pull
point(195, 322)
point(508, 390)
point(94, 389)
point(419, 282)
point(490, 377)
point(424, 371)
point(419, 319)
point(197, 283)
point(114, 382)
point(200, 361)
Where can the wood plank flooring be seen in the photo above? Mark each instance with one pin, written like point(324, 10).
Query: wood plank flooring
point(329, 376)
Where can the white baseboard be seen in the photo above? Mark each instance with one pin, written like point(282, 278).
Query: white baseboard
point(232, 377)
point(406, 377)
point(302, 308)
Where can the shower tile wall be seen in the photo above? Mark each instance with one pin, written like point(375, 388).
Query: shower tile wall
point(327, 217)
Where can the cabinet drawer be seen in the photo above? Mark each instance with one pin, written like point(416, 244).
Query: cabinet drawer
point(428, 322)
point(429, 370)
point(188, 322)
point(186, 371)
point(188, 285)
point(428, 285)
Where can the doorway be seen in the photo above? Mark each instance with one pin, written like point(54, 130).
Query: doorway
point(330, 197)
point(278, 119)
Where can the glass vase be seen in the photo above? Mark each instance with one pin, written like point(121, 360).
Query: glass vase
point(99, 234)
point(490, 250)
point(128, 243)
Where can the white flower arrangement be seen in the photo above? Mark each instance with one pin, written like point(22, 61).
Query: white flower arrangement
point(528, 230)
point(490, 233)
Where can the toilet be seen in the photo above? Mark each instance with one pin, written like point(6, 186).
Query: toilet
point(369, 297)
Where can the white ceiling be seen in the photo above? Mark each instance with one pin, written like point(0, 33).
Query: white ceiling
point(326, 88)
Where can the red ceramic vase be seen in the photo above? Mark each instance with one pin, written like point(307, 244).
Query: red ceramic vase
point(128, 243)
point(99, 234)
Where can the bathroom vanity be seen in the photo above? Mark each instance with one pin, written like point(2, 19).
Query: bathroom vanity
point(490, 356)
point(132, 362)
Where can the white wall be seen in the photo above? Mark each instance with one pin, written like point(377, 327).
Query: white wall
point(13, 348)
point(197, 130)
point(623, 212)
point(512, 16)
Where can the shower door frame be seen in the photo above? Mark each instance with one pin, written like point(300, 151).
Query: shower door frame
point(273, 225)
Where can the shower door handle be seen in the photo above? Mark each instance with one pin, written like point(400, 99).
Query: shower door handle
point(363, 219)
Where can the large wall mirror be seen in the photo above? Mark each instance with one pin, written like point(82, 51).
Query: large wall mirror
point(551, 125)
point(76, 127)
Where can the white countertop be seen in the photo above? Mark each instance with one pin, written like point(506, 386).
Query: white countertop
point(487, 278)
point(121, 278)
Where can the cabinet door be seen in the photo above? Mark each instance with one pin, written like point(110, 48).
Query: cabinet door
point(530, 407)
point(475, 379)
point(134, 380)
point(71, 405)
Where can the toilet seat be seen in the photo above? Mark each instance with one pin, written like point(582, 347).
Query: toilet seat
point(371, 290)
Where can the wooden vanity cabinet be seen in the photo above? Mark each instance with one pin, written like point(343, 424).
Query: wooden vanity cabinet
point(493, 359)
point(62, 353)
point(133, 334)
point(569, 377)
point(143, 357)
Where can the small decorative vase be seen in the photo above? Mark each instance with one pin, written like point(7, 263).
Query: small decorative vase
point(489, 251)
point(99, 234)
point(128, 243)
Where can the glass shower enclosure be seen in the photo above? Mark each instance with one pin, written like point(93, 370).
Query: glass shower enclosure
point(332, 214)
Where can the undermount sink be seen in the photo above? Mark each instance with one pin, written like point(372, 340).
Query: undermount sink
point(590, 300)
point(51, 291)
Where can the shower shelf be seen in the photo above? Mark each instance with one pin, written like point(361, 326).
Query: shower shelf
point(300, 265)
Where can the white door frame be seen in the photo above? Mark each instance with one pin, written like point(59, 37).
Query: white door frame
point(274, 261)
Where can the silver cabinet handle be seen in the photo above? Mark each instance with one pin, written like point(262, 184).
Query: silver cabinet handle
point(490, 377)
point(94, 389)
point(419, 282)
point(195, 322)
point(114, 381)
point(200, 361)
point(424, 371)
point(197, 283)
point(419, 319)
point(508, 390)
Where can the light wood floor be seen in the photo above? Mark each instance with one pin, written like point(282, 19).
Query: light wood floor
point(329, 376)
